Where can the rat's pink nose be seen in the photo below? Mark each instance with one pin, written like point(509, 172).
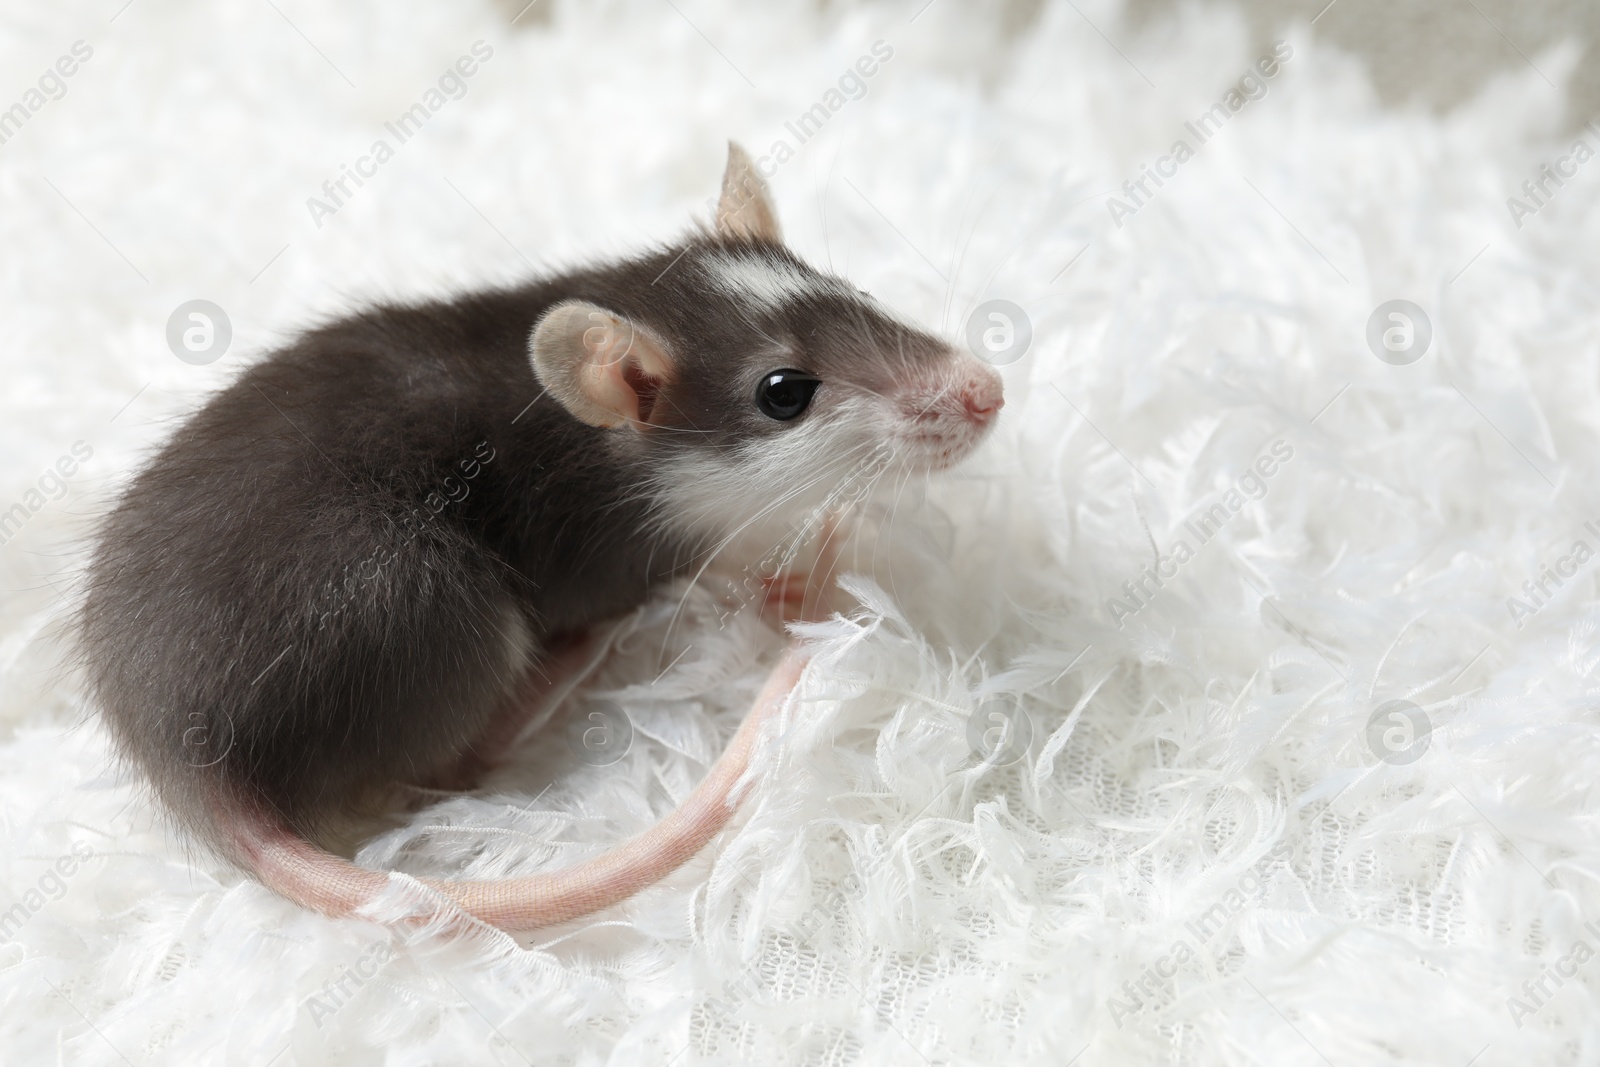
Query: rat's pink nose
point(983, 397)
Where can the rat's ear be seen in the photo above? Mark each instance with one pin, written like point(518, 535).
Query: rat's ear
point(746, 209)
point(603, 368)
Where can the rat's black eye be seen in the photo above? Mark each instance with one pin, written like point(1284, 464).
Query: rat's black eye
point(785, 394)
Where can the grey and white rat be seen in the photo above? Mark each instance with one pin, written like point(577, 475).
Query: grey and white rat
point(343, 570)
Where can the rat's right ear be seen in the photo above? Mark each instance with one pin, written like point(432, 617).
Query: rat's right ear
point(602, 367)
point(746, 209)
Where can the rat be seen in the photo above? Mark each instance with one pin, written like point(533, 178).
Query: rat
point(357, 563)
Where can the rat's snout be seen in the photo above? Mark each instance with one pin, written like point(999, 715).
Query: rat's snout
point(946, 414)
point(964, 390)
point(982, 395)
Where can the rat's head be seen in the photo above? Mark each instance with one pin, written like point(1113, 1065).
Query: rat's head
point(757, 386)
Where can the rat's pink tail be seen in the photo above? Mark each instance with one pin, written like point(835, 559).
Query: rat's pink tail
point(317, 879)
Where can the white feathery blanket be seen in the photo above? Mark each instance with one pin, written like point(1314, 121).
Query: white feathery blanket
point(1204, 854)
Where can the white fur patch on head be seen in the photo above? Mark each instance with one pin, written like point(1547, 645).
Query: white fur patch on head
point(763, 284)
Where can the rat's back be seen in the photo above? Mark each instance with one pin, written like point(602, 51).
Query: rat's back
point(332, 572)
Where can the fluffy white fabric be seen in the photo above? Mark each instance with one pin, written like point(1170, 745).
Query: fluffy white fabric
point(1199, 775)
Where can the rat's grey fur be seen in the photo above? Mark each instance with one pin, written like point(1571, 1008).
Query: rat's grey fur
point(281, 615)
